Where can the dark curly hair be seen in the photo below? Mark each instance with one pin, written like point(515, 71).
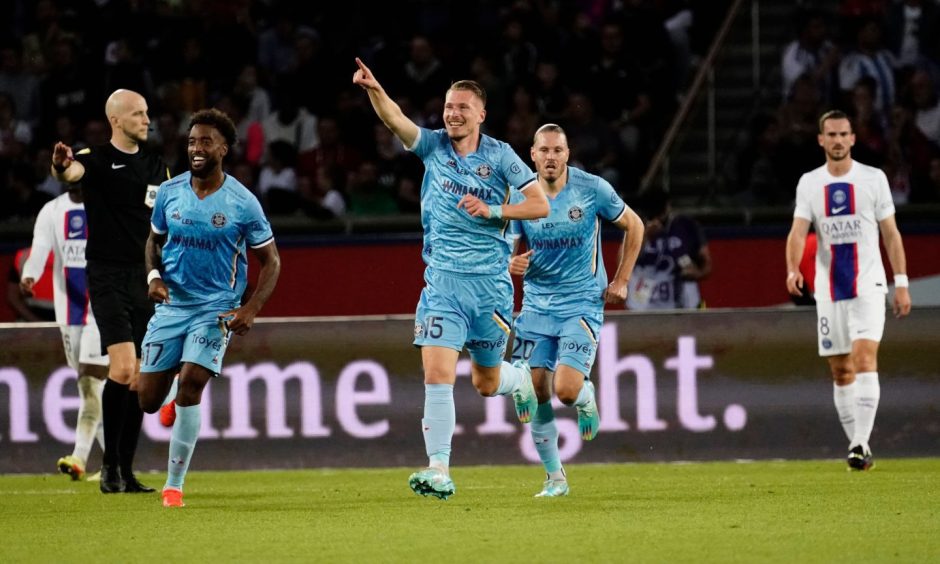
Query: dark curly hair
point(219, 120)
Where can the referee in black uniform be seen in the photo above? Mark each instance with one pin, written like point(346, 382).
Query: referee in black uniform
point(120, 182)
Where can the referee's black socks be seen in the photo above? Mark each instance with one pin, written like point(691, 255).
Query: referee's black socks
point(113, 406)
point(130, 433)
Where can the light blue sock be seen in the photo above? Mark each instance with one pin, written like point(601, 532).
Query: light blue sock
point(182, 443)
point(439, 421)
point(171, 395)
point(509, 379)
point(545, 436)
point(583, 396)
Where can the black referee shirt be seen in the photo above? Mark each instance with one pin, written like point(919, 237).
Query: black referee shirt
point(119, 190)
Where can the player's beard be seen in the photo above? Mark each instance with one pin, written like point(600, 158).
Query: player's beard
point(208, 166)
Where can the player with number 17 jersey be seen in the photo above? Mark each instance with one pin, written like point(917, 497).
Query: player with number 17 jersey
point(204, 262)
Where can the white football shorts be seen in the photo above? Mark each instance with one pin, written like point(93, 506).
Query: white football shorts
point(82, 345)
point(839, 323)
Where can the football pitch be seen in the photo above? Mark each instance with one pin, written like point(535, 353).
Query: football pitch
point(807, 511)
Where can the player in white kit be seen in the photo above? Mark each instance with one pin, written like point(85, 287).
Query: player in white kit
point(61, 227)
point(849, 204)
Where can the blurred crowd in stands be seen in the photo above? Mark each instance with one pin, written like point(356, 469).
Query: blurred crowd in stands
point(610, 71)
point(879, 61)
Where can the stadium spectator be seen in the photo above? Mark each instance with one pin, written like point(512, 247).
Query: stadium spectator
point(199, 298)
point(674, 258)
point(248, 88)
point(22, 200)
point(21, 85)
point(291, 123)
point(849, 204)
point(911, 31)
point(565, 288)
point(367, 197)
point(423, 76)
point(463, 234)
point(67, 89)
point(908, 160)
point(869, 58)
point(62, 229)
point(118, 181)
point(15, 134)
point(870, 125)
point(322, 198)
point(277, 182)
point(594, 147)
point(926, 104)
point(813, 54)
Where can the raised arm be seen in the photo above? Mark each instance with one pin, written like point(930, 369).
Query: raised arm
point(894, 247)
point(386, 108)
point(796, 242)
point(632, 226)
point(64, 166)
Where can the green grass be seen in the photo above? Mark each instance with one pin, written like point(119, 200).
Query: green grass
point(705, 512)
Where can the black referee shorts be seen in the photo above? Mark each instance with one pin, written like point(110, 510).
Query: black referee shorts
point(119, 300)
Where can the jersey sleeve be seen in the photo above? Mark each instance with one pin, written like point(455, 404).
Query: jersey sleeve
point(517, 174)
point(425, 142)
point(43, 241)
point(257, 228)
point(884, 203)
point(803, 210)
point(610, 205)
point(87, 159)
point(158, 215)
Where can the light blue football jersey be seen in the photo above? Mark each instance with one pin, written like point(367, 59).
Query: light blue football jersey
point(566, 271)
point(454, 241)
point(204, 262)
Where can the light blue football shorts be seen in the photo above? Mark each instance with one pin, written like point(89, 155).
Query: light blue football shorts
point(177, 335)
point(547, 340)
point(457, 311)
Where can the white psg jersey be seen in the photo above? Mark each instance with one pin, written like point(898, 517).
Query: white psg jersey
point(846, 211)
point(61, 227)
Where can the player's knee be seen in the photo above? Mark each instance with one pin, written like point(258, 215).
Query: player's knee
point(566, 393)
point(485, 386)
point(122, 374)
point(149, 402)
point(843, 375)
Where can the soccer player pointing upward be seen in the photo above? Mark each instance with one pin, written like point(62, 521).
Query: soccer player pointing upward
point(202, 221)
point(467, 299)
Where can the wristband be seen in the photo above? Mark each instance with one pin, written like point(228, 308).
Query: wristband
point(496, 212)
point(153, 275)
point(60, 168)
point(901, 281)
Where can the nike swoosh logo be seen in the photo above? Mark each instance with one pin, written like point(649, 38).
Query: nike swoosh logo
point(117, 166)
point(834, 210)
point(73, 234)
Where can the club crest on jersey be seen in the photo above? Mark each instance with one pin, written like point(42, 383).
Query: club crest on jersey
point(218, 219)
point(484, 171)
point(419, 329)
point(175, 215)
point(575, 214)
point(76, 222)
